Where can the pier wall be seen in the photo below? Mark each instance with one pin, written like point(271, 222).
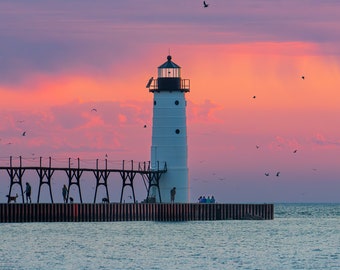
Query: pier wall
point(47, 212)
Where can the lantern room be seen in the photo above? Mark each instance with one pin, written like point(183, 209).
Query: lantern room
point(169, 69)
point(169, 79)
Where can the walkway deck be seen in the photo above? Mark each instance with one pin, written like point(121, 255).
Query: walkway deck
point(133, 212)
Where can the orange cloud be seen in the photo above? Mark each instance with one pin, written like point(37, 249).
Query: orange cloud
point(228, 75)
point(45, 91)
point(204, 112)
point(322, 141)
point(224, 79)
point(232, 74)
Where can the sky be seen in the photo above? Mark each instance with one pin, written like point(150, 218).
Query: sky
point(61, 59)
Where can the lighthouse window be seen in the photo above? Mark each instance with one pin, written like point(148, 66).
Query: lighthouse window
point(176, 102)
point(154, 102)
point(177, 131)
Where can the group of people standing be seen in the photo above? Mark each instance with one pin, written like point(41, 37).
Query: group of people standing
point(203, 199)
point(28, 192)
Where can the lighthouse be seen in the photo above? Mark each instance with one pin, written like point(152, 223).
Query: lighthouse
point(169, 131)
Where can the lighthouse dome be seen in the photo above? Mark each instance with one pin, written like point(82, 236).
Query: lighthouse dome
point(169, 69)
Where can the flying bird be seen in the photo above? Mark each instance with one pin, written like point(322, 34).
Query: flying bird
point(266, 174)
point(295, 151)
point(205, 4)
point(302, 77)
point(254, 96)
point(278, 174)
point(144, 126)
point(94, 110)
point(257, 146)
point(24, 133)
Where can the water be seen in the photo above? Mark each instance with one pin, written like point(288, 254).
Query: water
point(302, 236)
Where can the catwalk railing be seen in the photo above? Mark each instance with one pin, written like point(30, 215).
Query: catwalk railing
point(15, 168)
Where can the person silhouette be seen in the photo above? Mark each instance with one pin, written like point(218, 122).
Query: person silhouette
point(28, 192)
point(172, 194)
point(64, 192)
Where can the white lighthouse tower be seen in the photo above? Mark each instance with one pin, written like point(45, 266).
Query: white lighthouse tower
point(169, 131)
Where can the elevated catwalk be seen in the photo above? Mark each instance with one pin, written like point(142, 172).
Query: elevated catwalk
point(87, 212)
point(47, 212)
point(127, 170)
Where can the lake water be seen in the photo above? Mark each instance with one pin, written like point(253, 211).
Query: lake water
point(302, 236)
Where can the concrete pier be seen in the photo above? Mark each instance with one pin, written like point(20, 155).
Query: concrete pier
point(47, 212)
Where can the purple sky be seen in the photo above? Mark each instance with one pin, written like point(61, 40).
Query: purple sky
point(60, 59)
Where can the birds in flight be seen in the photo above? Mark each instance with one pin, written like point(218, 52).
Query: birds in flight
point(277, 173)
point(302, 77)
point(24, 133)
point(257, 146)
point(205, 5)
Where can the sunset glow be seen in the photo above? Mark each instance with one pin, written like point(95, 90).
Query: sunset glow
point(264, 83)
